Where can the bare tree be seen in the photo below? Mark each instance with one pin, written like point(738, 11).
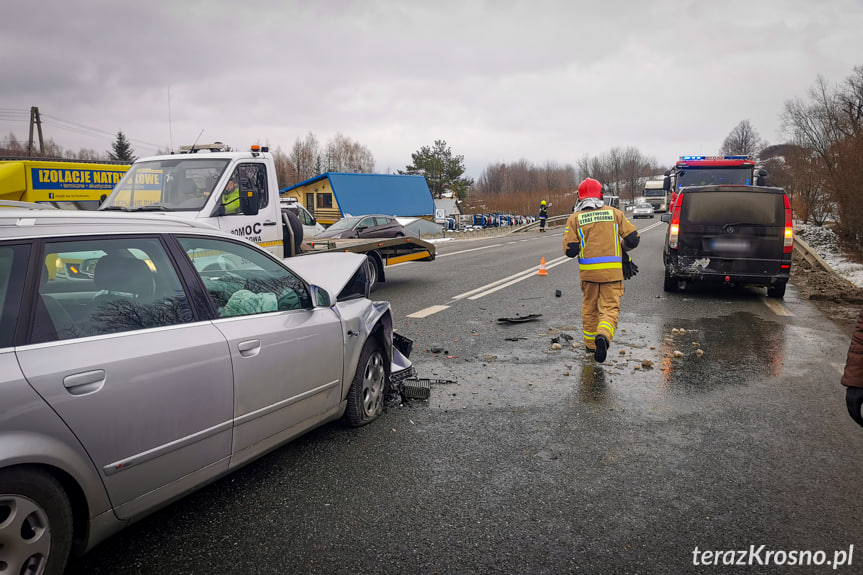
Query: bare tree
point(346, 155)
point(829, 125)
point(743, 140)
point(303, 156)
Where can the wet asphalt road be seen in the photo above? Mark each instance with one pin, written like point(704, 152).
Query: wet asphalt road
point(536, 461)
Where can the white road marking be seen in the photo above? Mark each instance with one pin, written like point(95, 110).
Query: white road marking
point(428, 311)
point(466, 251)
point(776, 307)
point(527, 272)
point(554, 263)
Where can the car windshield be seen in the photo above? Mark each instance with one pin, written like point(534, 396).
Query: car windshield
point(343, 224)
point(176, 184)
point(714, 176)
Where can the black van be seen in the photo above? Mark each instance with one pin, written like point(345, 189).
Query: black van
point(729, 235)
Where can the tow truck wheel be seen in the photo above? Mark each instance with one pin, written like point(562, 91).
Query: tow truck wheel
point(373, 271)
point(35, 523)
point(366, 395)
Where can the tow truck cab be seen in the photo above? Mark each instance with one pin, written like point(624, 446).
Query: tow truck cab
point(238, 193)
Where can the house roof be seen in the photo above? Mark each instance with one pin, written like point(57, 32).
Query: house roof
point(361, 194)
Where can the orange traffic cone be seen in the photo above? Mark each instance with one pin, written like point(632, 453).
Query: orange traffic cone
point(542, 271)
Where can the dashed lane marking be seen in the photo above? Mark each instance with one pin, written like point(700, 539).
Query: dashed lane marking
point(428, 311)
point(776, 307)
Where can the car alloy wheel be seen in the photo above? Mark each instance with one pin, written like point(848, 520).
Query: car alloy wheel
point(366, 395)
point(35, 523)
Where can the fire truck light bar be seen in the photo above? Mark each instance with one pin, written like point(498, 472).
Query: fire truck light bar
point(690, 158)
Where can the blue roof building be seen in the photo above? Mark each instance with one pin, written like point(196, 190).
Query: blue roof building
point(333, 195)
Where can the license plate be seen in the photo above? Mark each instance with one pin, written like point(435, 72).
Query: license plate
point(728, 245)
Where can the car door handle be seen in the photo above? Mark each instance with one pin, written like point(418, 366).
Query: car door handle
point(249, 348)
point(269, 223)
point(86, 382)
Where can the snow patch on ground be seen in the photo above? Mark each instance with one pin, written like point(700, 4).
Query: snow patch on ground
point(826, 244)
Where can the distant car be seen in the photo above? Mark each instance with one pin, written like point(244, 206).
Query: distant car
point(375, 226)
point(642, 210)
point(729, 235)
point(143, 357)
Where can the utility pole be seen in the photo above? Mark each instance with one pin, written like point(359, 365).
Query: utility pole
point(37, 120)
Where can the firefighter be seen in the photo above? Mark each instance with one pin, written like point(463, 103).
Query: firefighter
point(600, 237)
point(543, 214)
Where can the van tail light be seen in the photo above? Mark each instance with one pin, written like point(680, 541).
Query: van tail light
point(788, 242)
point(675, 223)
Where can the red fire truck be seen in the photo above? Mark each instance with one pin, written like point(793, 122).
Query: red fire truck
point(711, 170)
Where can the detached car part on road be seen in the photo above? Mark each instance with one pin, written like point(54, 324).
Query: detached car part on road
point(729, 235)
point(142, 357)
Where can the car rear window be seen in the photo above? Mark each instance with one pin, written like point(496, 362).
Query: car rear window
point(757, 208)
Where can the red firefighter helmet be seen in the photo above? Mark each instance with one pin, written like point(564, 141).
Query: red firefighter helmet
point(589, 188)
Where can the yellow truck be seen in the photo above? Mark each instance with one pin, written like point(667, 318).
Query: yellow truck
point(67, 184)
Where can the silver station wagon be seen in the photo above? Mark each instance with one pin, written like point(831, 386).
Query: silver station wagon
point(143, 356)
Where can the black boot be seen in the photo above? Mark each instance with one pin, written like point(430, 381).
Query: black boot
point(601, 348)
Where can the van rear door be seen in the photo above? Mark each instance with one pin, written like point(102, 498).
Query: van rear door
point(739, 232)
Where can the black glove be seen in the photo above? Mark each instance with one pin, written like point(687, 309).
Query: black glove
point(629, 267)
point(572, 249)
point(854, 401)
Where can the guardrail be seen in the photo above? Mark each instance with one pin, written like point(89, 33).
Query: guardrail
point(811, 256)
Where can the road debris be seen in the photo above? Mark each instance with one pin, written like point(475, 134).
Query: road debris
point(520, 318)
point(556, 346)
point(699, 352)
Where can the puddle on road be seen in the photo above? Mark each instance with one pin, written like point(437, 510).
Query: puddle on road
point(738, 349)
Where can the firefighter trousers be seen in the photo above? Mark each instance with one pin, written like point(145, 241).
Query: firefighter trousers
point(600, 307)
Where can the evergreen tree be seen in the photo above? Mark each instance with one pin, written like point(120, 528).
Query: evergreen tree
point(122, 149)
point(442, 169)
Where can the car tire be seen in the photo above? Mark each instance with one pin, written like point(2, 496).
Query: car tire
point(670, 284)
point(776, 290)
point(34, 513)
point(366, 394)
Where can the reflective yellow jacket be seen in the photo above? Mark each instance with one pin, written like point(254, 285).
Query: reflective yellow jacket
point(598, 234)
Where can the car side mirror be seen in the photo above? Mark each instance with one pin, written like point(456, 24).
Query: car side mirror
point(320, 297)
point(249, 200)
point(665, 218)
point(666, 183)
point(762, 177)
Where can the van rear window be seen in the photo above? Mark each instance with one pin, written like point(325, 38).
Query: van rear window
point(726, 207)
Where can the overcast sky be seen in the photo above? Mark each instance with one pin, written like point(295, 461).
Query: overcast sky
point(498, 80)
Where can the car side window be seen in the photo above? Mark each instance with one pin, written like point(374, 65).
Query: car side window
point(383, 221)
point(13, 269)
point(367, 223)
point(243, 281)
point(103, 286)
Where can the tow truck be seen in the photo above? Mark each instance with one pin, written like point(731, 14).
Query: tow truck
point(195, 184)
point(711, 170)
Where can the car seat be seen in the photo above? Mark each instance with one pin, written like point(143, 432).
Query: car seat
point(124, 277)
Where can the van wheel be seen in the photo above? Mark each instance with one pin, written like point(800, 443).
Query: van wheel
point(670, 284)
point(777, 290)
point(35, 523)
point(366, 395)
